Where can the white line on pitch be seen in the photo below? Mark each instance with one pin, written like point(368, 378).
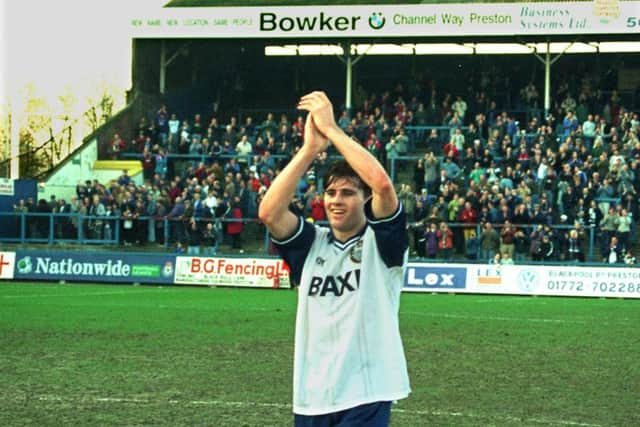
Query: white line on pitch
point(510, 300)
point(88, 294)
point(509, 418)
point(499, 318)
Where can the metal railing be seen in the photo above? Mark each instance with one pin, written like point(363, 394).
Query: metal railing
point(156, 232)
point(76, 228)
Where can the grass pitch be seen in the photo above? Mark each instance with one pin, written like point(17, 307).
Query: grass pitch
point(179, 356)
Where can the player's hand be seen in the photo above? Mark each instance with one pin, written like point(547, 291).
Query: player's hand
point(321, 109)
point(313, 139)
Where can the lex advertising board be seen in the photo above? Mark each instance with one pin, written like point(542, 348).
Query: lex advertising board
point(550, 280)
point(94, 266)
point(388, 20)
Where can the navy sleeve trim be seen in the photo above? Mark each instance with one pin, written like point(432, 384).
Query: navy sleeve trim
point(295, 234)
point(391, 235)
point(374, 221)
point(294, 249)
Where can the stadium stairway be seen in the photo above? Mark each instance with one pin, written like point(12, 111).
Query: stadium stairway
point(133, 167)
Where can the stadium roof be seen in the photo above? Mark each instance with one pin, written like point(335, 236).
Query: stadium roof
point(414, 27)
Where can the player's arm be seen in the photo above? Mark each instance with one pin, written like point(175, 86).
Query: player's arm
point(384, 201)
point(274, 209)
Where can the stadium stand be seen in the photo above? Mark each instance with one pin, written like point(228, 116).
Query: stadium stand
point(486, 165)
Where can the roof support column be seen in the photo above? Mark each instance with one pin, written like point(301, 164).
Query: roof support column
point(164, 63)
point(547, 82)
point(163, 67)
point(349, 62)
point(548, 62)
point(348, 89)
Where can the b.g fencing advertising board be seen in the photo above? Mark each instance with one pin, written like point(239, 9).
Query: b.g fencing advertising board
point(95, 266)
point(242, 272)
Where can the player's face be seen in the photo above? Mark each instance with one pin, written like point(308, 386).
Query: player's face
point(344, 206)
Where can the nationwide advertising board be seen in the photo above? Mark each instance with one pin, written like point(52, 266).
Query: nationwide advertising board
point(94, 266)
point(243, 272)
point(550, 280)
point(388, 20)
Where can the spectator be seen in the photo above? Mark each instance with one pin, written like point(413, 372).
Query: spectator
point(575, 246)
point(344, 120)
point(194, 237)
point(408, 199)
point(507, 239)
point(530, 95)
point(460, 107)
point(128, 231)
point(209, 239)
point(175, 217)
point(608, 226)
point(317, 207)
point(269, 125)
point(547, 248)
point(535, 239)
point(116, 146)
point(506, 259)
point(402, 142)
point(445, 241)
point(489, 242)
point(433, 141)
point(235, 227)
point(614, 251)
point(431, 173)
point(430, 241)
point(629, 258)
point(162, 125)
point(161, 164)
point(521, 245)
point(496, 259)
point(244, 151)
point(110, 221)
point(197, 128)
point(174, 133)
point(472, 246)
point(469, 216)
point(451, 168)
point(95, 224)
point(148, 165)
point(623, 229)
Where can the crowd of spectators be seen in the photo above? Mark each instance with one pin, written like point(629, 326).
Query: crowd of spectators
point(484, 183)
point(545, 183)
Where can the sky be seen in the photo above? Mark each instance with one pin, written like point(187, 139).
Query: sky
point(59, 45)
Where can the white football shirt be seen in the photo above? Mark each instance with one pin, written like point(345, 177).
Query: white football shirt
point(348, 349)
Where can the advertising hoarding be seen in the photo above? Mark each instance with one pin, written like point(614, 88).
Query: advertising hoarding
point(549, 280)
point(242, 272)
point(390, 20)
point(94, 266)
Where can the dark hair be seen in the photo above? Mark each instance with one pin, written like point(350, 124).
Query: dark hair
point(342, 169)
